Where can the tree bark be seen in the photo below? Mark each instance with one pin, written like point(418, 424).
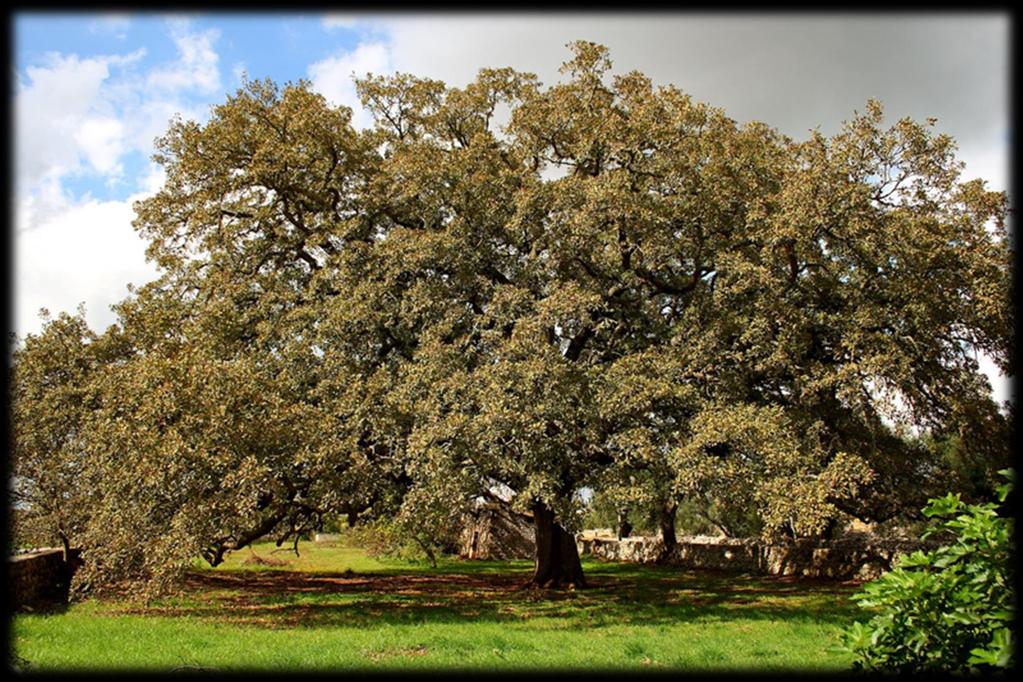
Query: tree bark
point(828, 532)
point(65, 541)
point(624, 527)
point(557, 558)
point(667, 523)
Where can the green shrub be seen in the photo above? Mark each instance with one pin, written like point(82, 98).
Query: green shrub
point(949, 609)
point(393, 539)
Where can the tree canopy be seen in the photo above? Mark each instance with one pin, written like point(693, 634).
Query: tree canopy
point(601, 283)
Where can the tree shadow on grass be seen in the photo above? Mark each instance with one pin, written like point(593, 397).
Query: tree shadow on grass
point(637, 595)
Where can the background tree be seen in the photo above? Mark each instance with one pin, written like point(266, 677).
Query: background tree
point(870, 284)
point(51, 395)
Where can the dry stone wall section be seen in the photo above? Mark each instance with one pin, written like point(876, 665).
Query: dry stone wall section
point(39, 579)
point(852, 558)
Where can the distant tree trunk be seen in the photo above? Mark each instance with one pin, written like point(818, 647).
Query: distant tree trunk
point(557, 558)
point(65, 542)
point(667, 523)
point(624, 527)
point(427, 550)
point(72, 562)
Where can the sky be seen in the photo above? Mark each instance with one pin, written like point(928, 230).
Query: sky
point(93, 91)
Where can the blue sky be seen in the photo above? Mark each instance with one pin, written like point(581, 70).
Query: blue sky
point(92, 91)
point(280, 46)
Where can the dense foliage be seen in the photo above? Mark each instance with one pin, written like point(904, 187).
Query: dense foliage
point(949, 609)
point(620, 288)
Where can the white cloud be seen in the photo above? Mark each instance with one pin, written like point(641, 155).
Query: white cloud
point(196, 66)
point(101, 141)
point(50, 111)
point(88, 252)
point(48, 199)
point(332, 77)
point(79, 116)
point(149, 119)
point(153, 180)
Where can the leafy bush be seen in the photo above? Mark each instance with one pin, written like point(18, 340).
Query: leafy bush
point(391, 538)
point(949, 609)
point(603, 508)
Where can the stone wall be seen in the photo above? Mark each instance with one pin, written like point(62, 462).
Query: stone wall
point(849, 558)
point(39, 579)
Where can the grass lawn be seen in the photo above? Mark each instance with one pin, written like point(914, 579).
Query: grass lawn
point(336, 608)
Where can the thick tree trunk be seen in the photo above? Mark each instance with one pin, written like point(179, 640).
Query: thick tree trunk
point(667, 524)
point(557, 558)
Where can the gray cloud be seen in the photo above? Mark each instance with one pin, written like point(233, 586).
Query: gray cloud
point(794, 72)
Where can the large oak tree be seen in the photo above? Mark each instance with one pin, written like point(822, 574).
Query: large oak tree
point(601, 283)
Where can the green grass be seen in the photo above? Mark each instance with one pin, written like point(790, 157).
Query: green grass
point(334, 607)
